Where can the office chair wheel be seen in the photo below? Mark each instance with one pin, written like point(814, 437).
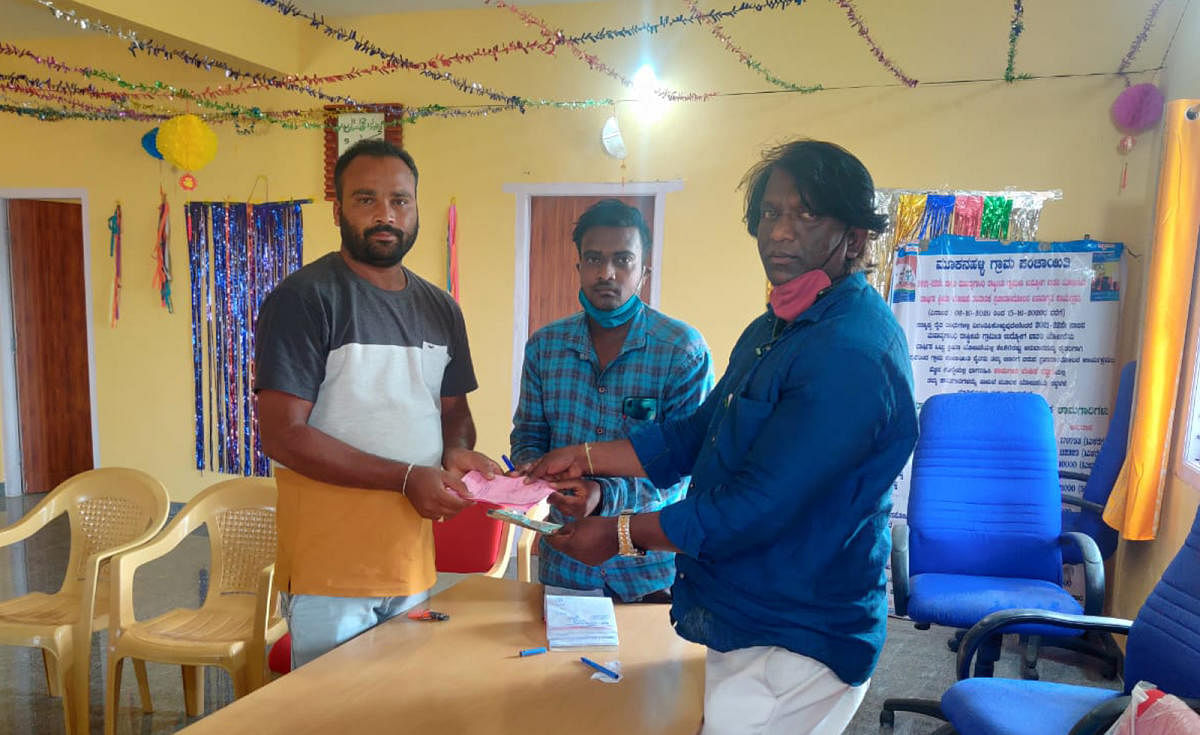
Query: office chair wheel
point(1029, 673)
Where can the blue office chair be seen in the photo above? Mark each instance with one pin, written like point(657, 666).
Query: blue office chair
point(1103, 475)
point(984, 523)
point(1086, 518)
point(1163, 647)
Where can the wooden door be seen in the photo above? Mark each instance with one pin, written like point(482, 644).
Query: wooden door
point(50, 338)
point(553, 280)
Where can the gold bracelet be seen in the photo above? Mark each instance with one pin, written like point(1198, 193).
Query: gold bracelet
point(587, 449)
point(404, 486)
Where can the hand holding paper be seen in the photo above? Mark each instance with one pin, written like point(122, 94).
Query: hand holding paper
point(507, 492)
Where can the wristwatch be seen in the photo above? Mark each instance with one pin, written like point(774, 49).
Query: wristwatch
point(625, 545)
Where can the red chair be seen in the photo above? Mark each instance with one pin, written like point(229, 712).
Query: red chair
point(468, 543)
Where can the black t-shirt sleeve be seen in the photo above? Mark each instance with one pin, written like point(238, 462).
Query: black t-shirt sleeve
point(290, 344)
point(459, 378)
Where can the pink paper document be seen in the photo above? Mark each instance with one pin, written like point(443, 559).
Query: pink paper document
point(508, 492)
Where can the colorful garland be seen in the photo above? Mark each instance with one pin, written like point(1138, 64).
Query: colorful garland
point(594, 62)
point(858, 24)
point(1015, 28)
point(207, 63)
point(745, 57)
point(1138, 40)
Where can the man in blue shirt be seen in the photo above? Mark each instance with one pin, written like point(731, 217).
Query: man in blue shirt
point(782, 538)
point(603, 372)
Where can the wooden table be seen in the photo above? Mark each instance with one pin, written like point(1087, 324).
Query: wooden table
point(464, 676)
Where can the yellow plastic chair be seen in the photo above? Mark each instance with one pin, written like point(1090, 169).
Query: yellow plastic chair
point(110, 510)
point(240, 615)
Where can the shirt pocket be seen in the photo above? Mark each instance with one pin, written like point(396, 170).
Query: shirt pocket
point(434, 359)
point(740, 427)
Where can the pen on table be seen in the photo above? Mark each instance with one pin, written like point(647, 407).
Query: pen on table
point(599, 668)
point(531, 651)
point(428, 615)
point(508, 463)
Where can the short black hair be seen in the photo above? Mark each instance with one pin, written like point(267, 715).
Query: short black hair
point(831, 181)
point(612, 213)
point(375, 147)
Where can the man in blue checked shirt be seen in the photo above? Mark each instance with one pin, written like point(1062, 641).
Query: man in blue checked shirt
point(614, 367)
point(782, 538)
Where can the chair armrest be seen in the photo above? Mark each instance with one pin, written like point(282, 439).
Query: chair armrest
point(129, 558)
point(265, 601)
point(1068, 475)
point(29, 524)
point(1101, 717)
point(1084, 504)
point(1093, 570)
point(900, 568)
point(1000, 619)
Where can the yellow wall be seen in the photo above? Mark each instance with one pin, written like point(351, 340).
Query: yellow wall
point(1052, 133)
point(1139, 564)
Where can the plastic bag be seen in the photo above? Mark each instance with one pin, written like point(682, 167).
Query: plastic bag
point(1151, 712)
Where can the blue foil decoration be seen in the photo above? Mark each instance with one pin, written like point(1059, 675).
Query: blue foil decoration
point(237, 253)
point(939, 215)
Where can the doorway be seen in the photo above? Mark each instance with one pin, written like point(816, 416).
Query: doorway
point(47, 375)
point(546, 214)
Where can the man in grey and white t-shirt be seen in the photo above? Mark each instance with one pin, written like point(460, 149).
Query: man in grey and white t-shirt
point(362, 370)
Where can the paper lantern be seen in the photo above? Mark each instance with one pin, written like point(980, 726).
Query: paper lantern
point(1138, 108)
point(150, 143)
point(187, 142)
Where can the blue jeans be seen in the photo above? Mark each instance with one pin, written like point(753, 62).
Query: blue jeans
point(319, 624)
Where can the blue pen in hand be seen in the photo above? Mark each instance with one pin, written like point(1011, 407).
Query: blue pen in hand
point(508, 463)
point(606, 671)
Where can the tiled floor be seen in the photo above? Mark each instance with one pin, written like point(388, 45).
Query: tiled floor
point(913, 664)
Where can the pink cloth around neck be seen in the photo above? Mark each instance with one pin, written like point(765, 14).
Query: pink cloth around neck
point(507, 492)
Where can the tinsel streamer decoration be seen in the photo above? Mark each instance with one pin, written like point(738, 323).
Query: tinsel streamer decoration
point(206, 63)
point(1015, 28)
point(114, 252)
point(237, 253)
point(993, 224)
point(396, 62)
point(452, 249)
point(592, 60)
point(1138, 40)
point(197, 249)
point(162, 255)
point(1026, 214)
point(939, 212)
point(909, 212)
point(364, 46)
point(968, 214)
point(860, 26)
point(882, 245)
point(743, 55)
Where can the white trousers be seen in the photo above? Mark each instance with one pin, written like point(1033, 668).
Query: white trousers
point(766, 690)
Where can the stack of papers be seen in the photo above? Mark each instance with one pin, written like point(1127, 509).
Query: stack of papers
point(579, 619)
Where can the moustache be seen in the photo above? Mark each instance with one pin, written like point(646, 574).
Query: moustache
point(384, 230)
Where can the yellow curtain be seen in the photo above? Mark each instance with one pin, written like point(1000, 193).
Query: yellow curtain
point(1133, 506)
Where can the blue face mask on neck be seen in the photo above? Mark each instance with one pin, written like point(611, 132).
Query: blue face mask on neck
point(617, 316)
